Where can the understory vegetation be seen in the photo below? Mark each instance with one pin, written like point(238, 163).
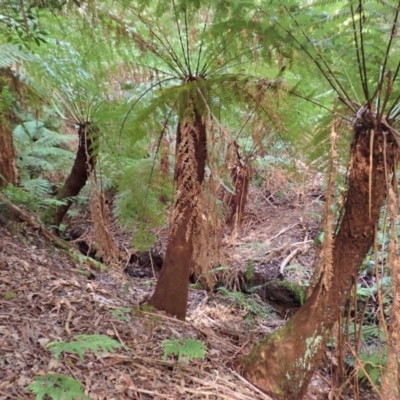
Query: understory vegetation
point(246, 151)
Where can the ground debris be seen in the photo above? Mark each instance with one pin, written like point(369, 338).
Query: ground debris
point(54, 303)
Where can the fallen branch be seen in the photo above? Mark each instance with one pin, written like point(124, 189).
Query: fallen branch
point(22, 215)
point(289, 258)
point(303, 246)
point(281, 232)
point(73, 253)
point(287, 245)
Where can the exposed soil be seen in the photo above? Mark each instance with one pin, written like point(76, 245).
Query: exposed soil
point(44, 297)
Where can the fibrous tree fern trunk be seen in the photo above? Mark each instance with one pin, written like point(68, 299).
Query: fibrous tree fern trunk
point(84, 163)
point(282, 365)
point(171, 293)
point(8, 169)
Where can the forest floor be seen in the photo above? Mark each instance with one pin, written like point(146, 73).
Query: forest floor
point(44, 298)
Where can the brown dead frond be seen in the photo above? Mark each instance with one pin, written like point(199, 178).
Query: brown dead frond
point(391, 378)
point(325, 266)
point(189, 194)
point(99, 212)
point(208, 253)
point(240, 173)
point(206, 247)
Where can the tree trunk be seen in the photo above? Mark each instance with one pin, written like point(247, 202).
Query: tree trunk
point(8, 169)
point(84, 163)
point(172, 289)
point(282, 365)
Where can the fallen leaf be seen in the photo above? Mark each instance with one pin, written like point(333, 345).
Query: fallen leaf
point(10, 295)
point(43, 341)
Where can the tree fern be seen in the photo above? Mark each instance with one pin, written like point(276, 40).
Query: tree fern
point(171, 60)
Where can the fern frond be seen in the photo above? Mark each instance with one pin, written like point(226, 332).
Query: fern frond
point(38, 187)
point(10, 55)
point(189, 348)
point(57, 387)
point(82, 343)
point(133, 205)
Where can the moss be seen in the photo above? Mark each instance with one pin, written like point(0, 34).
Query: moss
point(292, 380)
point(297, 290)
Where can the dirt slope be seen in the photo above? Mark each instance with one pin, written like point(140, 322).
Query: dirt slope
point(44, 297)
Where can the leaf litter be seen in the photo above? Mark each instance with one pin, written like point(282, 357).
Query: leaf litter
point(53, 301)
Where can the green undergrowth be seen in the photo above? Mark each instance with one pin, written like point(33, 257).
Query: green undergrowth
point(62, 387)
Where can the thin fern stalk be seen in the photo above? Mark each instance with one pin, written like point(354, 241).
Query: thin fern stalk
point(184, 53)
point(138, 100)
point(150, 48)
point(382, 320)
point(361, 323)
point(357, 49)
point(226, 64)
point(361, 366)
point(364, 62)
point(157, 151)
point(176, 66)
point(167, 47)
point(357, 337)
point(187, 42)
point(390, 388)
point(388, 92)
point(329, 74)
point(392, 34)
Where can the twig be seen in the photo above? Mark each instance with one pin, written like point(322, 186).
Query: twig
point(69, 317)
point(282, 231)
point(152, 265)
point(362, 368)
point(7, 315)
point(289, 258)
point(156, 394)
point(8, 396)
point(323, 378)
point(129, 256)
point(144, 300)
point(287, 245)
point(117, 334)
point(246, 382)
point(239, 350)
point(294, 253)
point(165, 317)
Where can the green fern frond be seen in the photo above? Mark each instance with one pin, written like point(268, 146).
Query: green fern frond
point(189, 348)
point(38, 187)
point(34, 133)
point(246, 303)
point(142, 239)
point(11, 55)
point(82, 343)
point(138, 198)
point(57, 387)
